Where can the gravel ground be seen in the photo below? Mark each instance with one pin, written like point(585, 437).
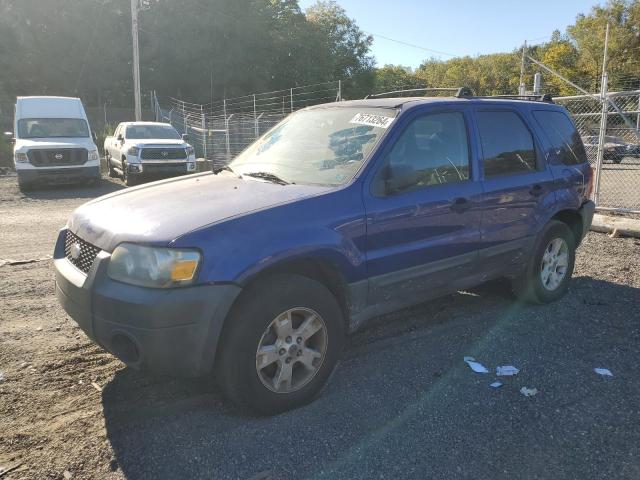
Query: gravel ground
point(402, 404)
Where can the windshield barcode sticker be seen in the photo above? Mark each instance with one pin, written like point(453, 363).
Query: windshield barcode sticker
point(371, 120)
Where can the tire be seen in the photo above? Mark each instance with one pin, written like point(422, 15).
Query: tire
point(24, 186)
point(126, 178)
point(112, 172)
point(533, 285)
point(250, 326)
point(617, 161)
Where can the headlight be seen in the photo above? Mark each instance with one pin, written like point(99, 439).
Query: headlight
point(21, 158)
point(133, 151)
point(93, 156)
point(153, 267)
point(190, 151)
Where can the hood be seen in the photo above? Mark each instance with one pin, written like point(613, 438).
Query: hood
point(47, 143)
point(163, 211)
point(149, 142)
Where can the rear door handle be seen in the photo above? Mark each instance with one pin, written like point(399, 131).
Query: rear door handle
point(460, 205)
point(536, 190)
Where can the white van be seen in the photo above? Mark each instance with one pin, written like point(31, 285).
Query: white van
point(53, 142)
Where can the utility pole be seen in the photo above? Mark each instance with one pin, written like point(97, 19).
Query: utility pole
point(603, 117)
point(522, 90)
point(136, 59)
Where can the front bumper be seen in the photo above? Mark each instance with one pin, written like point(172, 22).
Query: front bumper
point(151, 170)
point(166, 331)
point(54, 175)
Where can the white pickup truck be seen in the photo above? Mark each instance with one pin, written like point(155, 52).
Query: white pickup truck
point(148, 150)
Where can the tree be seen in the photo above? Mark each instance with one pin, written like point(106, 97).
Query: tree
point(344, 47)
point(83, 47)
point(395, 77)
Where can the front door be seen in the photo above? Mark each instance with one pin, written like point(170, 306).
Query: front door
point(423, 217)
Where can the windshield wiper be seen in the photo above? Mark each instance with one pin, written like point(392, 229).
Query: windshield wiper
point(270, 177)
point(216, 171)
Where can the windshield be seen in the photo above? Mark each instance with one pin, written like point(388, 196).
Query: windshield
point(324, 146)
point(52, 128)
point(164, 132)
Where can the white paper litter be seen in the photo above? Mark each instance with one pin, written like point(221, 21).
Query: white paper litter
point(506, 371)
point(1, 376)
point(528, 392)
point(475, 366)
point(496, 384)
point(603, 371)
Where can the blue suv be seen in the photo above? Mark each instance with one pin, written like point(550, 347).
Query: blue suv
point(256, 272)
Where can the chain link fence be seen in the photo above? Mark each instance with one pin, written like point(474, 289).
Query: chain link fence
point(221, 130)
point(611, 126)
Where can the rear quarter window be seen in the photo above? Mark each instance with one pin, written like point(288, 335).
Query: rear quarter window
point(562, 136)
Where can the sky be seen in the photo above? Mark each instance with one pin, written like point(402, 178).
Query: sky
point(457, 27)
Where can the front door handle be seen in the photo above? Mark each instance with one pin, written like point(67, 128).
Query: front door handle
point(460, 205)
point(536, 190)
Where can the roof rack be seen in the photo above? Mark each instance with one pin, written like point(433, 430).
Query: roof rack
point(383, 94)
point(466, 92)
point(536, 98)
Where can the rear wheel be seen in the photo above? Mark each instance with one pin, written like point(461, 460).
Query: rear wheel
point(549, 271)
point(280, 345)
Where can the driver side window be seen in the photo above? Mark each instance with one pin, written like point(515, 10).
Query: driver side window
point(433, 150)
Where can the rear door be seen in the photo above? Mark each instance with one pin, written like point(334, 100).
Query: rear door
point(518, 188)
point(422, 238)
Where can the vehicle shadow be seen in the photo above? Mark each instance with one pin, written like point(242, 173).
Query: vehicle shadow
point(61, 192)
point(401, 401)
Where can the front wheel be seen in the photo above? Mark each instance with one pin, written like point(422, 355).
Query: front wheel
point(128, 180)
point(280, 344)
point(112, 171)
point(546, 277)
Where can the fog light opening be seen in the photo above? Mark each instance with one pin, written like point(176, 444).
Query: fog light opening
point(124, 348)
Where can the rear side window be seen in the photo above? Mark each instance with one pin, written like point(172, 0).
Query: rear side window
point(507, 144)
point(562, 135)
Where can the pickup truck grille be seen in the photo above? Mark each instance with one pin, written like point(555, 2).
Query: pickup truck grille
point(57, 157)
point(163, 154)
point(168, 168)
point(80, 253)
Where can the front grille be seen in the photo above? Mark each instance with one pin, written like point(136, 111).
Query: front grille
point(163, 154)
point(82, 258)
point(164, 168)
point(57, 157)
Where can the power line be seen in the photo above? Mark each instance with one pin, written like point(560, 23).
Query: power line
point(402, 42)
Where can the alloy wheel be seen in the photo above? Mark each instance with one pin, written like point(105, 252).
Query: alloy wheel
point(555, 263)
point(291, 350)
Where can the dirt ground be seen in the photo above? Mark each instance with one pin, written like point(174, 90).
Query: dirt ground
point(70, 410)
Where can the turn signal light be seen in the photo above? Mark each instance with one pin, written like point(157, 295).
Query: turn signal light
point(183, 270)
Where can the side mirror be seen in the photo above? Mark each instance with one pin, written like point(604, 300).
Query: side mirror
point(94, 136)
point(120, 138)
point(185, 137)
point(399, 177)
